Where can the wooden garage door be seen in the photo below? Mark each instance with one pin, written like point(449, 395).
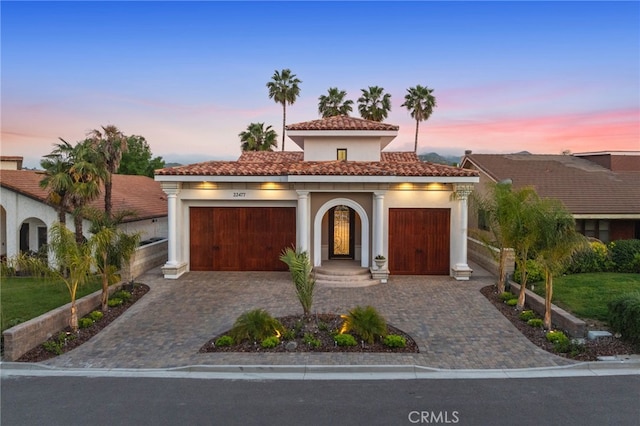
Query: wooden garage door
point(240, 238)
point(419, 241)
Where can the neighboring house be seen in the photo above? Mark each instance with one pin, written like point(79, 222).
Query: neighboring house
point(600, 189)
point(340, 198)
point(26, 215)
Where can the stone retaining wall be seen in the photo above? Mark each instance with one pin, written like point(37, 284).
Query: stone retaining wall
point(478, 252)
point(25, 336)
point(146, 257)
point(559, 317)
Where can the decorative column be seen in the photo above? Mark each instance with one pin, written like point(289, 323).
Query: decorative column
point(378, 231)
point(461, 270)
point(303, 221)
point(173, 268)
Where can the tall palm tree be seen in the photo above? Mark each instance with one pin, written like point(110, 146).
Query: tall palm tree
point(284, 89)
point(374, 104)
point(420, 102)
point(334, 103)
point(557, 242)
point(109, 144)
point(257, 138)
point(57, 178)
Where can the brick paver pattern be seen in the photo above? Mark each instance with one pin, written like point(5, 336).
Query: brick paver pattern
point(454, 325)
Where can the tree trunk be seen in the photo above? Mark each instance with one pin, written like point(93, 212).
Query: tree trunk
point(284, 121)
point(73, 322)
point(548, 294)
point(77, 221)
point(105, 284)
point(62, 215)
point(523, 288)
point(107, 196)
point(502, 271)
point(415, 143)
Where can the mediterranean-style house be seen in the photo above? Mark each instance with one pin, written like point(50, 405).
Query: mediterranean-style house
point(341, 197)
point(600, 189)
point(26, 214)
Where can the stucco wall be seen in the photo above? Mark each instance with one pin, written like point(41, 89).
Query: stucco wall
point(358, 149)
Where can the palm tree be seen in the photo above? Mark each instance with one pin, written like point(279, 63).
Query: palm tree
point(420, 102)
point(557, 242)
point(113, 247)
point(109, 144)
point(257, 138)
point(86, 178)
point(374, 104)
point(57, 178)
point(334, 103)
point(284, 89)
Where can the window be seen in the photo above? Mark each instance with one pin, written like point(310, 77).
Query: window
point(594, 228)
point(342, 154)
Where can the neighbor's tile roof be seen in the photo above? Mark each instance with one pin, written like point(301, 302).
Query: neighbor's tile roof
point(138, 193)
point(291, 163)
point(341, 122)
point(583, 186)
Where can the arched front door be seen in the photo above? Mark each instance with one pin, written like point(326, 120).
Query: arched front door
point(341, 232)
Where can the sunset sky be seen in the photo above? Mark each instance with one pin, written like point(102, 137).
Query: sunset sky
point(189, 76)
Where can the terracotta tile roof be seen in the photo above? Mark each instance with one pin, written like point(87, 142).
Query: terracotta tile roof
point(138, 193)
point(583, 186)
point(341, 122)
point(291, 163)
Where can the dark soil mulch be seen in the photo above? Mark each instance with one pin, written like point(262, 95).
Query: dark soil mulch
point(320, 326)
point(39, 353)
point(591, 349)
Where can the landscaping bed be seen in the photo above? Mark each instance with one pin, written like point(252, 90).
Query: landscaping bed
point(320, 330)
point(590, 351)
point(39, 353)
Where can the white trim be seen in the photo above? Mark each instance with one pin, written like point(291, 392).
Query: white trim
point(322, 178)
point(607, 216)
point(364, 229)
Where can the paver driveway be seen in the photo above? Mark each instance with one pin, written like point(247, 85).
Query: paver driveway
point(453, 324)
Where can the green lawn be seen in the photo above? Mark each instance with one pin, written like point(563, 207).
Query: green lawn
point(23, 298)
point(587, 295)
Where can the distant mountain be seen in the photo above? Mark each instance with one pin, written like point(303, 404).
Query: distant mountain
point(172, 164)
point(432, 157)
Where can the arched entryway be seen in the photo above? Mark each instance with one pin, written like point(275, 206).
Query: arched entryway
point(342, 211)
point(32, 235)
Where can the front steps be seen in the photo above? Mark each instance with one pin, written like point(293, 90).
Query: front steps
point(344, 275)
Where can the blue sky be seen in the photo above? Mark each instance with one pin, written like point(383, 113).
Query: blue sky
point(190, 76)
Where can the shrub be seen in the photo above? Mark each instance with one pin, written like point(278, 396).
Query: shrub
point(85, 322)
point(96, 316)
point(555, 336)
point(395, 341)
point(256, 325)
point(527, 315)
point(624, 316)
point(507, 295)
point(114, 301)
point(593, 258)
point(310, 340)
point(224, 341)
point(561, 343)
point(623, 253)
point(288, 334)
point(300, 269)
point(535, 273)
point(535, 322)
point(345, 340)
point(270, 342)
point(366, 322)
point(512, 302)
point(323, 326)
point(123, 294)
point(53, 347)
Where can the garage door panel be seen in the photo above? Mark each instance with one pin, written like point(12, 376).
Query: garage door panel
point(419, 241)
point(242, 238)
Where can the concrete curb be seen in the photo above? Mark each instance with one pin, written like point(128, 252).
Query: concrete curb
point(327, 372)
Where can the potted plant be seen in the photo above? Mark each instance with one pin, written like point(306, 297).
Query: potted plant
point(380, 261)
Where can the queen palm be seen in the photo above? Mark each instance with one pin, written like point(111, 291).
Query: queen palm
point(557, 242)
point(86, 178)
point(109, 143)
point(334, 103)
point(284, 89)
point(420, 102)
point(257, 138)
point(374, 104)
